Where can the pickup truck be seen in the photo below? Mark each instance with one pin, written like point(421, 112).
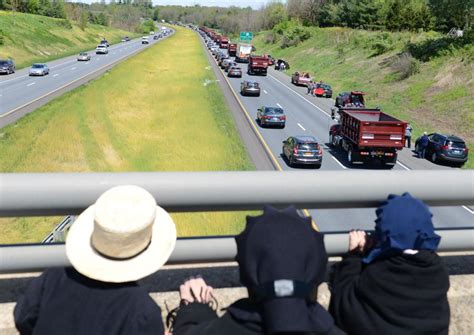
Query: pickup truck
point(300, 78)
point(368, 136)
point(257, 65)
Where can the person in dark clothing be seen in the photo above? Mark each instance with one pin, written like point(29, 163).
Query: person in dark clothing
point(282, 261)
point(424, 141)
point(394, 283)
point(110, 247)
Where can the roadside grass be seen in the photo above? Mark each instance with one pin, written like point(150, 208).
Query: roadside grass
point(158, 111)
point(438, 98)
point(32, 38)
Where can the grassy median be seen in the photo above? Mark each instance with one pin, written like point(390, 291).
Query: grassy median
point(159, 111)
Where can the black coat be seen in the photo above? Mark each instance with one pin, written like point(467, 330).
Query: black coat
point(241, 318)
point(62, 301)
point(402, 294)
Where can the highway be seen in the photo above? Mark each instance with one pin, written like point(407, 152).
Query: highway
point(307, 115)
point(19, 90)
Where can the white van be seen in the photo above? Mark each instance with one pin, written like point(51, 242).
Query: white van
point(145, 40)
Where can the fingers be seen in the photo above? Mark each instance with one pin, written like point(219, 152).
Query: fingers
point(195, 290)
point(357, 240)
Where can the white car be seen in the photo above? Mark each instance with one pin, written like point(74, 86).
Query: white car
point(145, 40)
point(102, 49)
point(152, 32)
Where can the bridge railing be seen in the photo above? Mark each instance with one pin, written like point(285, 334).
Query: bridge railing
point(70, 193)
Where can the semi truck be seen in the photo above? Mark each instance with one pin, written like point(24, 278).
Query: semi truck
point(368, 136)
point(224, 42)
point(243, 53)
point(257, 65)
point(232, 49)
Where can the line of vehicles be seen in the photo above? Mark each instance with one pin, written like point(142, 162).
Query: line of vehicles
point(366, 135)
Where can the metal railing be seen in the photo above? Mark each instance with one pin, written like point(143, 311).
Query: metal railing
point(65, 193)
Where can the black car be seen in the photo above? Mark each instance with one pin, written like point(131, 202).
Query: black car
point(447, 148)
point(271, 116)
point(303, 150)
point(7, 66)
point(105, 42)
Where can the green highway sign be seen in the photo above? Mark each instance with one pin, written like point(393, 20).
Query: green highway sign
point(246, 35)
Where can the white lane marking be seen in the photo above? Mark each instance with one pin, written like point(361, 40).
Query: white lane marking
point(403, 166)
point(107, 55)
point(468, 209)
point(30, 84)
point(340, 164)
point(279, 105)
point(73, 68)
point(302, 97)
point(55, 75)
point(265, 92)
point(301, 127)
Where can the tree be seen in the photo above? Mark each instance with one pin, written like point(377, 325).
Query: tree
point(452, 13)
point(83, 20)
point(33, 6)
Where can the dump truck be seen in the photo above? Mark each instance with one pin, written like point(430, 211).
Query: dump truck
point(243, 53)
point(368, 136)
point(257, 65)
point(224, 42)
point(301, 78)
point(232, 49)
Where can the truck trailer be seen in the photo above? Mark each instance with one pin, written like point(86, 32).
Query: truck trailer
point(368, 136)
point(243, 53)
point(257, 65)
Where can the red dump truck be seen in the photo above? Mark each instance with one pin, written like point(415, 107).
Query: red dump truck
point(224, 42)
point(257, 65)
point(232, 49)
point(368, 136)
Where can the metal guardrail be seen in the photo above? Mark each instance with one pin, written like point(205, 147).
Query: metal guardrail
point(15, 259)
point(63, 193)
point(71, 193)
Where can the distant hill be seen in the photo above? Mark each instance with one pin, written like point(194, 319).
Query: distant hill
point(28, 38)
point(423, 78)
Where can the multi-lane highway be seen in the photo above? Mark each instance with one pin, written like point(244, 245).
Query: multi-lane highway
point(19, 90)
point(307, 115)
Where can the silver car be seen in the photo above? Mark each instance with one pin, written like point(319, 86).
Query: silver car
point(271, 116)
point(84, 57)
point(39, 70)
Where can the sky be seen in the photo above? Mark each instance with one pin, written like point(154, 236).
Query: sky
point(221, 3)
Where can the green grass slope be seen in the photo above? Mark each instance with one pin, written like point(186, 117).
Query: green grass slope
point(29, 38)
point(439, 97)
point(132, 119)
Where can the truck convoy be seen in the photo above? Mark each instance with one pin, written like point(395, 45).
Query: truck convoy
point(243, 52)
point(368, 136)
point(232, 49)
point(257, 65)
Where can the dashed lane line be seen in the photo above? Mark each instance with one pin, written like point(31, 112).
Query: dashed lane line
point(30, 84)
point(279, 105)
point(299, 125)
point(265, 92)
point(55, 75)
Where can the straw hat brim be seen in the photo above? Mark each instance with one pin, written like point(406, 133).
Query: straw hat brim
point(86, 260)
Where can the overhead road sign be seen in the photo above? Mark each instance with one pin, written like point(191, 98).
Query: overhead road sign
point(246, 35)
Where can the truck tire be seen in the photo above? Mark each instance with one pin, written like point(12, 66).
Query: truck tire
point(332, 140)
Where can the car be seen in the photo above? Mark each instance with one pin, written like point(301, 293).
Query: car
point(235, 71)
point(145, 40)
point(101, 49)
point(250, 88)
point(155, 37)
point(445, 148)
point(152, 32)
point(84, 56)
point(104, 42)
point(7, 66)
point(323, 90)
point(214, 50)
point(271, 116)
point(221, 60)
point(39, 69)
point(302, 150)
point(125, 39)
point(229, 65)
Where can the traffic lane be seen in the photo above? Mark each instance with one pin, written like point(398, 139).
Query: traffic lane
point(23, 91)
point(57, 65)
point(407, 159)
point(22, 73)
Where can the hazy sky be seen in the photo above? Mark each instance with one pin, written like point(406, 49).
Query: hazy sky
point(221, 3)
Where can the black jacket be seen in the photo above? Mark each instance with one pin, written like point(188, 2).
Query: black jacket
point(402, 294)
point(241, 318)
point(62, 301)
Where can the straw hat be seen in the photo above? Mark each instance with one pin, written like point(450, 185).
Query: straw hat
point(123, 237)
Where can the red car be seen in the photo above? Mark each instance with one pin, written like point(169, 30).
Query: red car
point(323, 90)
